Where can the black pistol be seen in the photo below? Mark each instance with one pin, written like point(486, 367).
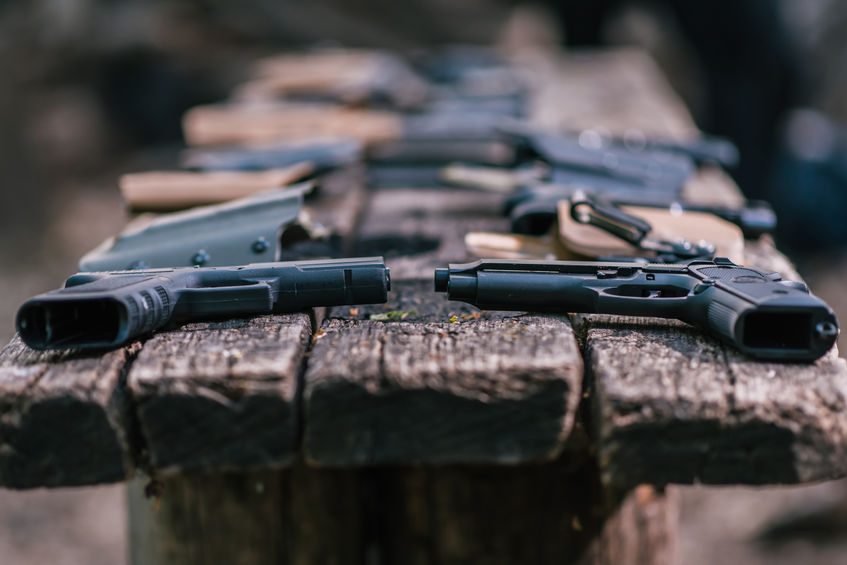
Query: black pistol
point(97, 310)
point(757, 312)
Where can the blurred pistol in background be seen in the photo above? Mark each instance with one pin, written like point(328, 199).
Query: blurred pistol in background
point(262, 226)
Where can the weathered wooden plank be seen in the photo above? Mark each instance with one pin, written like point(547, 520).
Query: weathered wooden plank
point(209, 518)
point(671, 404)
point(641, 529)
point(221, 395)
point(379, 393)
point(545, 513)
point(63, 417)
point(483, 389)
point(460, 533)
point(297, 516)
point(551, 512)
point(668, 403)
point(329, 515)
point(225, 395)
point(67, 418)
point(487, 388)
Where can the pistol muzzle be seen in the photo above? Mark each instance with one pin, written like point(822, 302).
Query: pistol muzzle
point(442, 277)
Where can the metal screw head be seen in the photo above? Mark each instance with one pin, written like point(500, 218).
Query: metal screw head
point(200, 258)
point(259, 246)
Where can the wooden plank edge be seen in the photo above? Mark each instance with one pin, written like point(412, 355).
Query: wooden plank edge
point(56, 431)
point(390, 409)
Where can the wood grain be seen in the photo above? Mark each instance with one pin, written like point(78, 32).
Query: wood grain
point(669, 404)
point(550, 512)
point(666, 404)
point(63, 417)
point(483, 389)
point(230, 518)
point(221, 395)
point(672, 405)
point(225, 395)
point(545, 513)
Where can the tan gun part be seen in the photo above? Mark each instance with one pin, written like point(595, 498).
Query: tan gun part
point(175, 190)
point(350, 75)
point(255, 123)
point(667, 224)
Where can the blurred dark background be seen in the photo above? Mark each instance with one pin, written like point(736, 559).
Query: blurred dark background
point(91, 89)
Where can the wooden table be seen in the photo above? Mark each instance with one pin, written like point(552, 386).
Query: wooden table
point(444, 437)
